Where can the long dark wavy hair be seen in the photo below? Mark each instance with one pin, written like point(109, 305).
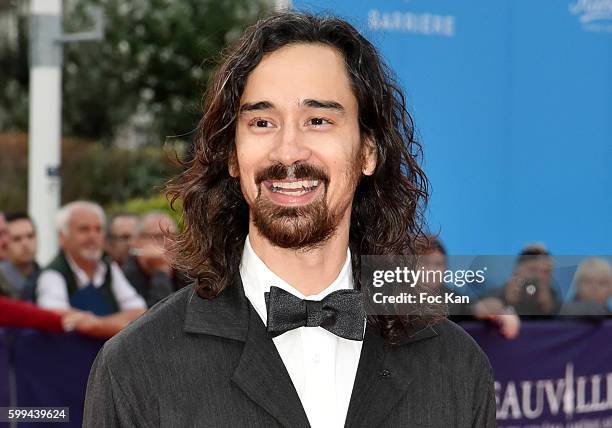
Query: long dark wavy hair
point(387, 211)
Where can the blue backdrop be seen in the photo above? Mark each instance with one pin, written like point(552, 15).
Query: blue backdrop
point(513, 103)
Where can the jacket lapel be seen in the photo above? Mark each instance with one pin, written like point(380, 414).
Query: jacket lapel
point(261, 373)
point(262, 376)
point(383, 377)
point(227, 315)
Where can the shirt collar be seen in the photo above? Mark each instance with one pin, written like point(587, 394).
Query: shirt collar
point(257, 279)
point(228, 315)
point(82, 278)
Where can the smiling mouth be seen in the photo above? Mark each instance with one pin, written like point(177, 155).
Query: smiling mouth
point(294, 188)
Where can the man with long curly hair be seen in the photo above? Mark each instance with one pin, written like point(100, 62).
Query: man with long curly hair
point(304, 161)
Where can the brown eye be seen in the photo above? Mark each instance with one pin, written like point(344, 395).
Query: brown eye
point(316, 121)
point(261, 123)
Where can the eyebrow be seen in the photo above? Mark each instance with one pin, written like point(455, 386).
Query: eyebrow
point(266, 105)
point(260, 105)
point(332, 105)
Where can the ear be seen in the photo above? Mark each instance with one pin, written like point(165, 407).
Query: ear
point(232, 164)
point(62, 239)
point(370, 156)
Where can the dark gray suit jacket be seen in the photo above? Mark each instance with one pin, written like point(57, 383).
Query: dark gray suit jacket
point(209, 363)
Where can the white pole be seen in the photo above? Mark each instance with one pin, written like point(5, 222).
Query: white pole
point(45, 122)
point(282, 5)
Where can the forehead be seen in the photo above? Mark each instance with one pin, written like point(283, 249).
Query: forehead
point(124, 222)
point(435, 254)
point(300, 71)
point(154, 224)
point(597, 271)
point(433, 257)
point(19, 226)
point(537, 262)
point(85, 216)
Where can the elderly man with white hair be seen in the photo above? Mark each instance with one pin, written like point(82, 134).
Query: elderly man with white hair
point(92, 290)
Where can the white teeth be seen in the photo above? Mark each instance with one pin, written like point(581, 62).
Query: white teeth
point(301, 184)
point(294, 193)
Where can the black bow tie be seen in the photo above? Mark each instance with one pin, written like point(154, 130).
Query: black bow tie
point(340, 312)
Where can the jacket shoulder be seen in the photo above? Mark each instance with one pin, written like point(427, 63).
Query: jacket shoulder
point(454, 333)
point(160, 324)
point(460, 350)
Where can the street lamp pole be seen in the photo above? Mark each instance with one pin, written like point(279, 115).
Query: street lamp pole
point(44, 183)
point(45, 116)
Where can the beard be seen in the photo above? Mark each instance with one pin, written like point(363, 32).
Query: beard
point(302, 227)
point(295, 227)
point(91, 254)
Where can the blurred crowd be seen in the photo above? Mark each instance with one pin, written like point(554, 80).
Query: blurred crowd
point(529, 293)
point(106, 274)
point(102, 277)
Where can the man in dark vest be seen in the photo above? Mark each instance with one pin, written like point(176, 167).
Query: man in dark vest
point(304, 162)
point(82, 280)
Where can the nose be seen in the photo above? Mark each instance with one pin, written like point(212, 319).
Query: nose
point(290, 147)
point(95, 234)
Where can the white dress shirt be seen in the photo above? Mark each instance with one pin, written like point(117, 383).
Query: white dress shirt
point(52, 292)
point(322, 366)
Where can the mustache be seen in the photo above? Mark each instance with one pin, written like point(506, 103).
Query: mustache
point(296, 171)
